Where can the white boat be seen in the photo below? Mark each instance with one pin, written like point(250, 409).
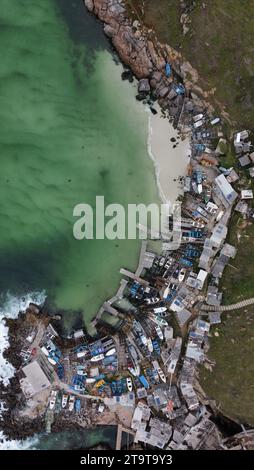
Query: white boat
point(158, 320)
point(51, 361)
point(71, 403)
point(150, 345)
point(110, 352)
point(144, 340)
point(159, 332)
point(198, 117)
point(182, 275)
point(45, 351)
point(159, 310)
point(129, 384)
point(81, 354)
point(90, 380)
point(135, 371)
point(161, 375)
point(52, 400)
point(97, 358)
point(64, 401)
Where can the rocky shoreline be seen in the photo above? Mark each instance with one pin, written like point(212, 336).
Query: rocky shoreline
point(140, 50)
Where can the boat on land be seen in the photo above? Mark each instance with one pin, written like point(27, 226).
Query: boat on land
point(64, 401)
point(135, 371)
point(52, 401)
point(159, 332)
point(158, 320)
point(150, 345)
point(129, 384)
point(90, 380)
point(161, 375)
point(97, 358)
point(71, 403)
point(110, 352)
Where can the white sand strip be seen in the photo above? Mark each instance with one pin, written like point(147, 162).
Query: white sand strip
point(170, 163)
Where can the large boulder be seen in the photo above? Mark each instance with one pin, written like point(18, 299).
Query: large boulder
point(89, 5)
point(109, 31)
point(144, 86)
point(163, 92)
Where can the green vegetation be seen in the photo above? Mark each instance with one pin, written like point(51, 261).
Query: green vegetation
point(219, 45)
point(231, 381)
point(237, 282)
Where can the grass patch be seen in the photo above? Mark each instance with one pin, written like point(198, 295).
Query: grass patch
point(219, 45)
point(230, 383)
point(237, 282)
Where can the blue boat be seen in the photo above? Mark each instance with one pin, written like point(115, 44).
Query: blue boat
point(77, 405)
point(168, 70)
point(113, 387)
point(143, 381)
point(119, 387)
point(60, 371)
point(186, 262)
point(179, 89)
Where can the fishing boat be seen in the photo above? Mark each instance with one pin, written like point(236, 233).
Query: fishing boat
point(97, 358)
point(144, 340)
point(135, 371)
point(77, 405)
point(133, 353)
point(158, 320)
point(150, 345)
point(159, 332)
point(129, 384)
point(71, 403)
point(110, 352)
point(159, 310)
point(64, 401)
point(52, 401)
point(161, 375)
point(113, 387)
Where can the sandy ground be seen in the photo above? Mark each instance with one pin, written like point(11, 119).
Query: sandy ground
point(170, 163)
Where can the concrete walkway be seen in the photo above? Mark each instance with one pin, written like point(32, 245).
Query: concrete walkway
point(227, 308)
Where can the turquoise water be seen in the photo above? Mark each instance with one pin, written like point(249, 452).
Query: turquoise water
point(70, 130)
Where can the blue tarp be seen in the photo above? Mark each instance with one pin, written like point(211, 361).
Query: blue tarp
point(168, 69)
point(179, 89)
point(144, 381)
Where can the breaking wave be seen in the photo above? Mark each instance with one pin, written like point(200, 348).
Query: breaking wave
point(10, 306)
point(14, 444)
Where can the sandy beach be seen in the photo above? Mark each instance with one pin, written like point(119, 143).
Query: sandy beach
point(170, 163)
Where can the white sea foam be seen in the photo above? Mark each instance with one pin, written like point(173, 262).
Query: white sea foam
point(10, 307)
point(14, 444)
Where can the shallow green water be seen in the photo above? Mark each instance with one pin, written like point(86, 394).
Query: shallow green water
point(70, 130)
